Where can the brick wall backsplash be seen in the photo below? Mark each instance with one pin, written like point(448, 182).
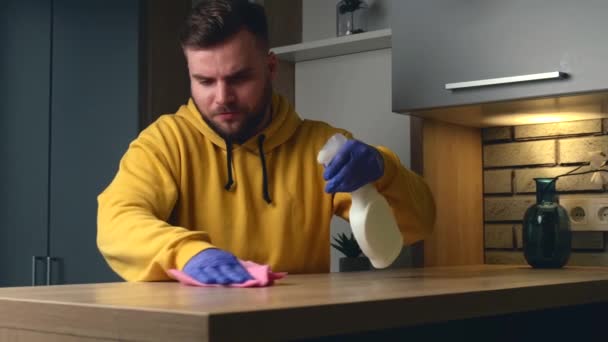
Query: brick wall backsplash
point(512, 158)
point(558, 129)
point(573, 150)
point(540, 152)
point(513, 208)
point(497, 181)
point(497, 133)
point(524, 179)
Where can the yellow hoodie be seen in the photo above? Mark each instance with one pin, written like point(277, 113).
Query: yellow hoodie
point(168, 200)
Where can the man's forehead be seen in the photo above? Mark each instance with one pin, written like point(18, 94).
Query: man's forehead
point(204, 70)
point(223, 54)
point(226, 55)
point(242, 43)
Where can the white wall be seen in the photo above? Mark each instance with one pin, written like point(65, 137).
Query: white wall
point(354, 92)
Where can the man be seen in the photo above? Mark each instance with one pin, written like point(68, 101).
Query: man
point(233, 173)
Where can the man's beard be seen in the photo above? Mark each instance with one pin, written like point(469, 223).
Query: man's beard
point(252, 120)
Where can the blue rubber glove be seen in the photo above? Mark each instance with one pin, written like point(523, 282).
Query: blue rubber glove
point(215, 266)
point(355, 165)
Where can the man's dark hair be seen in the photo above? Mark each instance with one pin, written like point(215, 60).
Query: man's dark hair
point(213, 21)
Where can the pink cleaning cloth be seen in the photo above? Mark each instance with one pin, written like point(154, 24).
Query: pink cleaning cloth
point(262, 276)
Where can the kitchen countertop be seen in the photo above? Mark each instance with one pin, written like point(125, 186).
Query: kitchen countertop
point(299, 306)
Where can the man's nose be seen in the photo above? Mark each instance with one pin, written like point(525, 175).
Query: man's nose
point(224, 94)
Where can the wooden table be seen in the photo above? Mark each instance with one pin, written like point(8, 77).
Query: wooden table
point(300, 306)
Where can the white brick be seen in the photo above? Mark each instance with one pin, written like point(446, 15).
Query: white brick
point(588, 240)
point(575, 150)
point(588, 259)
point(496, 134)
point(524, 179)
point(560, 128)
point(498, 236)
point(507, 208)
point(497, 181)
point(505, 258)
point(519, 153)
point(519, 236)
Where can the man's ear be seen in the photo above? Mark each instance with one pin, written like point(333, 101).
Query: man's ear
point(273, 65)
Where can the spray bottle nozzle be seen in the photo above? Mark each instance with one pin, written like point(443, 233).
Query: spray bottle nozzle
point(331, 148)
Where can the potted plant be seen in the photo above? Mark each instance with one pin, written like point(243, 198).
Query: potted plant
point(353, 259)
point(351, 17)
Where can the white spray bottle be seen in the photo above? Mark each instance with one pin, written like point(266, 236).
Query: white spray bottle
point(371, 217)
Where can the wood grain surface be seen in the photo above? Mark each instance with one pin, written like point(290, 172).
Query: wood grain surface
point(299, 306)
point(453, 169)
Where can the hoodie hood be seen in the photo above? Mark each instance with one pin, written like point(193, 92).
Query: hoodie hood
point(283, 124)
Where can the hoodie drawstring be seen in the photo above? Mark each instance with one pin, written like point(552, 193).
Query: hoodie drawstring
point(264, 171)
point(228, 185)
point(229, 164)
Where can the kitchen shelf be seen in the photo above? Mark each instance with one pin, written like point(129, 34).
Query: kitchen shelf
point(337, 46)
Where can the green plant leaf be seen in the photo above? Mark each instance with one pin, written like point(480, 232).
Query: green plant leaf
point(345, 252)
point(347, 245)
point(349, 6)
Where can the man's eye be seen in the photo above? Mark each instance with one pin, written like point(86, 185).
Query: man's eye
point(239, 79)
point(205, 82)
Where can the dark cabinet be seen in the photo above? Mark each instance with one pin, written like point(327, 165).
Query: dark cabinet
point(24, 133)
point(509, 50)
point(55, 162)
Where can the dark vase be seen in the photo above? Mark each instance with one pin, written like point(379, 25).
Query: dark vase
point(546, 230)
point(348, 264)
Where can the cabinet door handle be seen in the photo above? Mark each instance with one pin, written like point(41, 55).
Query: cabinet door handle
point(35, 258)
point(553, 75)
point(49, 265)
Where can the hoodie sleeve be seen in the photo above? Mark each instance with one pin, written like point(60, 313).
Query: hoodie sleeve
point(133, 234)
point(408, 195)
